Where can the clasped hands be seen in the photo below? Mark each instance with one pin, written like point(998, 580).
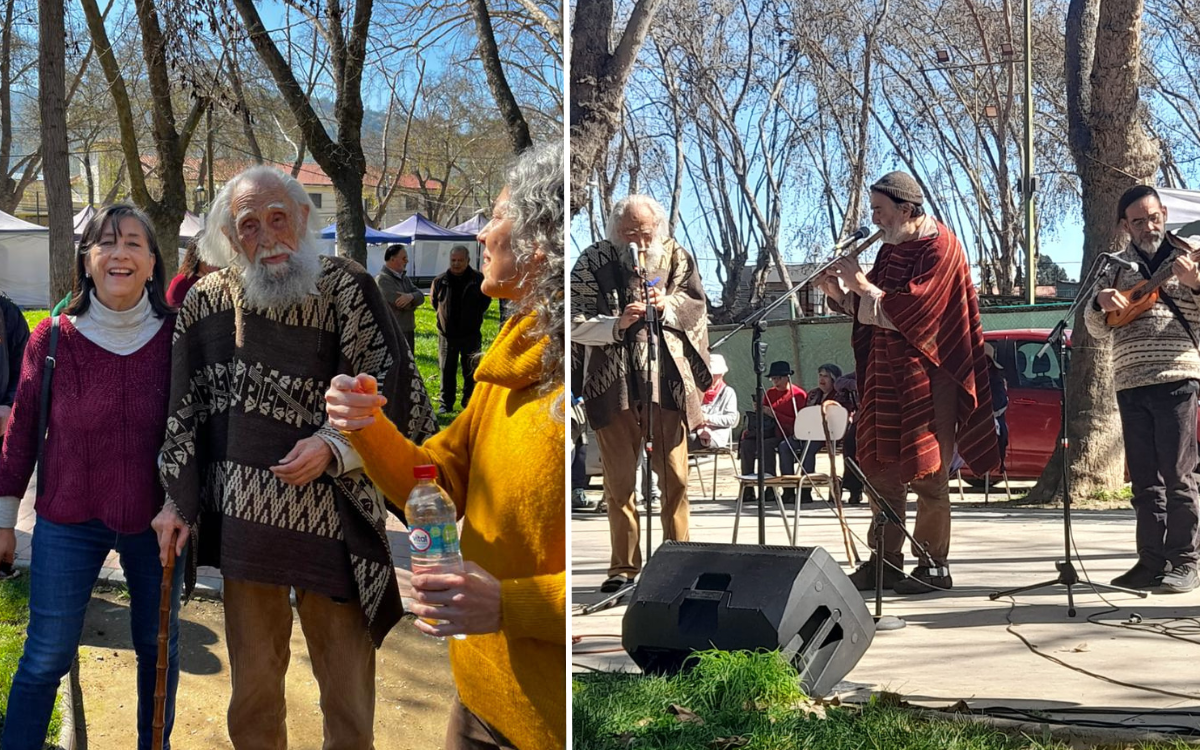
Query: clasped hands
point(635, 311)
point(307, 460)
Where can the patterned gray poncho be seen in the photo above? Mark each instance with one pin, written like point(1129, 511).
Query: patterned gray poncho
point(246, 385)
point(611, 378)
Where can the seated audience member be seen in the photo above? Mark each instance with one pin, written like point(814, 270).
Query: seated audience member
point(720, 410)
point(784, 400)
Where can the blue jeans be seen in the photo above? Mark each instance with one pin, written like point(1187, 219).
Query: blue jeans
point(66, 563)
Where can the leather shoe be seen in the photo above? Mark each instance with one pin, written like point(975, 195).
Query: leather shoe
point(923, 579)
point(864, 578)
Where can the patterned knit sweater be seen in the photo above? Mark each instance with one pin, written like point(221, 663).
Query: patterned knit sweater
point(1154, 348)
point(247, 385)
point(502, 462)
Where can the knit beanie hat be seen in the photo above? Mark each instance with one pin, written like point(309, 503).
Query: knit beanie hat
point(900, 186)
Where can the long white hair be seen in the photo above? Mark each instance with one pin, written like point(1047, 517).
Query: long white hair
point(215, 246)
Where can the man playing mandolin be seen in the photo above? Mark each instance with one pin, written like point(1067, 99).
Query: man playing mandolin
point(1156, 371)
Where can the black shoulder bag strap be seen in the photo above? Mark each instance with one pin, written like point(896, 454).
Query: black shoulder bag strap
point(44, 412)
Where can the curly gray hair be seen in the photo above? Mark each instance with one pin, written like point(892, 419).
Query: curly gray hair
point(215, 246)
point(622, 208)
point(535, 205)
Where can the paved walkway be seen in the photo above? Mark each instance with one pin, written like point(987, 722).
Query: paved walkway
point(961, 645)
point(208, 580)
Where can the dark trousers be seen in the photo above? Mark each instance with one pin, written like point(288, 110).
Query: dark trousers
point(579, 478)
point(850, 482)
point(451, 352)
point(785, 450)
point(1160, 448)
point(411, 337)
point(466, 731)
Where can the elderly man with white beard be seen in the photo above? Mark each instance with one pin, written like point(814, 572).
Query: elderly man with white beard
point(610, 367)
point(258, 481)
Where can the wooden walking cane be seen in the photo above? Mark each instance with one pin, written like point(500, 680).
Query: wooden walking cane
point(835, 488)
point(164, 635)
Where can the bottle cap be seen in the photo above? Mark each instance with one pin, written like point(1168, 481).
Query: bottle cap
point(425, 471)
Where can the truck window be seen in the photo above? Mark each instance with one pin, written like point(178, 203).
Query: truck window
point(1034, 371)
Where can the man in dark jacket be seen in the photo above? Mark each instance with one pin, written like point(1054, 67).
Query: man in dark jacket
point(400, 292)
point(12, 351)
point(460, 306)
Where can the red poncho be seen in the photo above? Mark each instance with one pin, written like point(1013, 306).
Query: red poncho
point(929, 297)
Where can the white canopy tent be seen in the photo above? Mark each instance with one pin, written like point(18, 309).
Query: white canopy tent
point(24, 262)
point(1183, 207)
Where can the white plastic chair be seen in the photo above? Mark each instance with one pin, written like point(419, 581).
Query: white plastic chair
point(812, 423)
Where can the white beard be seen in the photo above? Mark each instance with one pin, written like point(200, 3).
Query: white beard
point(1150, 246)
point(656, 253)
point(282, 285)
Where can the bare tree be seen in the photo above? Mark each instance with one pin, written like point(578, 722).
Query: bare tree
point(52, 90)
point(341, 159)
point(170, 140)
point(1112, 153)
point(599, 74)
point(489, 53)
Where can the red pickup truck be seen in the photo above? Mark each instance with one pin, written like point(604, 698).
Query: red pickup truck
point(1034, 390)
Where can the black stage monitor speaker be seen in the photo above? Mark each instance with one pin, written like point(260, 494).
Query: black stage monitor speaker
point(694, 597)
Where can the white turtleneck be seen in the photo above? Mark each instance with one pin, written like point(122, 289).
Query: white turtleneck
point(120, 332)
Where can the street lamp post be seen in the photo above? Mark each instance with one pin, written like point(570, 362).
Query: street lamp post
point(1028, 181)
point(201, 202)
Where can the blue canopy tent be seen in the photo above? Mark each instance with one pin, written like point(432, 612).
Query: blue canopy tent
point(472, 226)
point(430, 245)
point(374, 236)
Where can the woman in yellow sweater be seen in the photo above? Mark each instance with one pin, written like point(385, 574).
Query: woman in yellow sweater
point(502, 462)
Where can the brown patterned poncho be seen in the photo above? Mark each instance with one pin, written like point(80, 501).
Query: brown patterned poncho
point(611, 378)
point(246, 385)
point(929, 297)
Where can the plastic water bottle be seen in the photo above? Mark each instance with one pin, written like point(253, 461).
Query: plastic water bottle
point(432, 532)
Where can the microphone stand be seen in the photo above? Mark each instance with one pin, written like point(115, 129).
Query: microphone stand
point(1067, 576)
point(652, 338)
point(758, 353)
point(884, 514)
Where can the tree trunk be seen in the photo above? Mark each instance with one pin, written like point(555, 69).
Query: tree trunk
point(1112, 153)
point(235, 79)
point(56, 168)
point(7, 184)
point(489, 55)
point(342, 160)
point(598, 78)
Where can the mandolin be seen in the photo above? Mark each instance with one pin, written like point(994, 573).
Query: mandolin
point(1144, 295)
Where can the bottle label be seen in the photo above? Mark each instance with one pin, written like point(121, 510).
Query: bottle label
point(433, 540)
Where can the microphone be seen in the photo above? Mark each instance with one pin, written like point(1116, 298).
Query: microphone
point(1117, 260)
point(636, 252)
point(860, 233)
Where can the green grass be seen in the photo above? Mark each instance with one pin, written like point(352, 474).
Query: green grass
point(14, 617)
point(753, 701)
point(33, 317)
point(427, 348)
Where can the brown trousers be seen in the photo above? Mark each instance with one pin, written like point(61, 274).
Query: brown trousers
point(466, 731)
point(258, 632)
point(620, 452)
point(933, 491)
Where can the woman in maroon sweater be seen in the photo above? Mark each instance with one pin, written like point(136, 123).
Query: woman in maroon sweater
point(108, 407)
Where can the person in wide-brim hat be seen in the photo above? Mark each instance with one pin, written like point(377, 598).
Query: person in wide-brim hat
point(784, 399)
point(780, 369)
